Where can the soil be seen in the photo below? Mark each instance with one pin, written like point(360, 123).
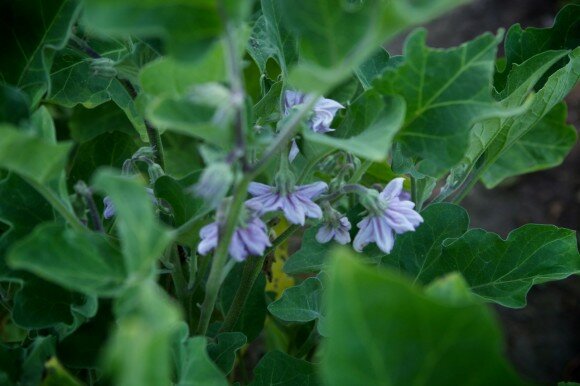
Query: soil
point(542, 339)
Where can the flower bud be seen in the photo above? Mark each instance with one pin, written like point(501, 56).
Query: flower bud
point(103, 67)
point(155, 171)
point(214, 183)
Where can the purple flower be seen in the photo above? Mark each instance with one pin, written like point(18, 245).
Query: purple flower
point(393, 213)
point(110, 209)
point(250, 239)
point(337, 229)
point(324, 110)
point(296, 205)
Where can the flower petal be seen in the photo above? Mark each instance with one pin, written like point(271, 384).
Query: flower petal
point(312, 190)
point(325, 234)
point(364, 235)
point(342, 236)
point(383, 234)
point(293, 210)
point(259, 189)
point(393, 189)
point(293, 151)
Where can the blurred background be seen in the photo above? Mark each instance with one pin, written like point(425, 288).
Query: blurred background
point(543, 339)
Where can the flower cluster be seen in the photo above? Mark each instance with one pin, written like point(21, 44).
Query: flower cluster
point(389, 212)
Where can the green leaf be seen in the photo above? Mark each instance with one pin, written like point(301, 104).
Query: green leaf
point(143, 239)
point(310, 257)
point(392, 334)
point(522, 44)
point(183, 204)
point(251, 321)
point(96, 269)
point(368, 128)
point(187, 28)
point(544, 146)
point(194, 367)
point(31, 156)
point(496, 270)
point(75, 83)
point(223, 350)
point(35, 30)
point(14, 105)
point(22, 208)
point(503, 271)
point(57, 375)
point(38, 353)
point(187, 117)
point(301, 303)
point(500, 137)
point(418, 253)
point(271, 39)
point(40, 304)
point(139, 352)
point(521, 81)
point(168, 77)
point(277, 368)
point(446, 92)
point(335, 37)
point(373, 68)
point(109, 149)
point(86, 124)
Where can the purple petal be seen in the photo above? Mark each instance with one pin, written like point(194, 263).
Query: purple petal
point(344, 223)
point(293, 211)
point(311, 209)
point(329, 105)
point(393, 189)
point(258, 189)
point(364, 235)
point(383, 234)
point(237, 248)
point(291, 99)
point(398, 222)
point(325, 234)
point(342, 236)
point(312, 190)
point(293, 151)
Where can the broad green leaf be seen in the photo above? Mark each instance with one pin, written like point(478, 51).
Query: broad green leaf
point(271, 39)
point(184, 116)
point(335, 36)
point(301, 303)
point(277, 368)
point(522, 44)
point(511, 130)
point(86, 124)
point(75, 83)
point(35, 30)
point(194, 367)
point(108, 149)
point(544, 146)
point(96, 269)
point(496, 270)
point(418, 253)
point(187, 28)
point(22, 208)
point(14, 105)
point(311, 256)
point(41, 304)
point(30, 156)
point(183, 204)
point(373, 68)
point(139, 352)
point(224, 348)
point(168, 77)
point(368, 128)
point(383, 330)
point(521, 82)
point(38, 353)
point(503, 271)
point(251, 321)
point(143, 239)
point(446, 92)
point(451, 289)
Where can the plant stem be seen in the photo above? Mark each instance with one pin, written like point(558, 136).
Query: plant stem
point(286, 133)
point(250, 274)
point(360, 172)
point(178, 277)
point(156, 144)
point(308, 344)
point(219, 259)
point(56, 204)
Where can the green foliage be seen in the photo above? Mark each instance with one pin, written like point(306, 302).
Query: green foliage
point(429, 340)
point(300, 303)
point(277, 368)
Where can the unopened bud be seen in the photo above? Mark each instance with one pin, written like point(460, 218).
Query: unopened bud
point(103, 67)
point(214, 183)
